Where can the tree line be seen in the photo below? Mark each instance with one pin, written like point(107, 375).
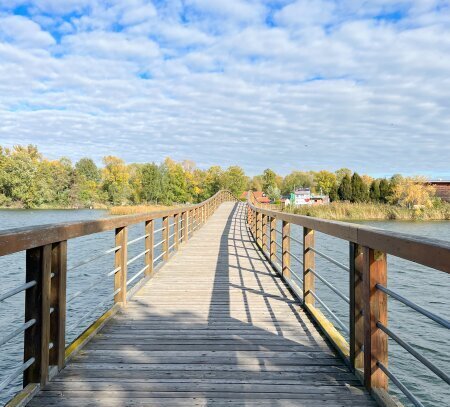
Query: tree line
point(27, 179)
point(348, 186)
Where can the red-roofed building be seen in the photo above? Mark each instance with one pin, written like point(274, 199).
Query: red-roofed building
point(260, 196)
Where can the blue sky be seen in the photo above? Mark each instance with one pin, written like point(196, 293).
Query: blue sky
point(306, 84)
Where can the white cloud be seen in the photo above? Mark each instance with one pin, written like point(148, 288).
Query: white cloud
point(24, 32)
point(211, 81)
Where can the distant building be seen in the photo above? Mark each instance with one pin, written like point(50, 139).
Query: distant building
point(442, 189)
point(260, 196)
point(303, 196)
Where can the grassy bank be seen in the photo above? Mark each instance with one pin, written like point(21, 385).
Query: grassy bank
point(371, 211)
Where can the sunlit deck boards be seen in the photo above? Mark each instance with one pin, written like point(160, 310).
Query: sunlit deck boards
point(216, 326)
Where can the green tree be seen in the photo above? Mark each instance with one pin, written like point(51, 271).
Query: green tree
point(268, 179)
point(274, 193)
point(334, 194)
point(375, 190)
point(385, 190)
point(235, 180)
point(85, 167)
point(345, 189)
point(177, 185)
point(359, 189)
point(341, 173)
point(153, 181)
point(324, 181)
point(297, 179)
point(115, 180)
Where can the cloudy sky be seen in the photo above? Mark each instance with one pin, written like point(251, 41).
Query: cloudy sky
point(286, 84)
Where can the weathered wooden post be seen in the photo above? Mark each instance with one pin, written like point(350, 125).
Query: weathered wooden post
point(286, 247)
point(375, 310)
point(258, 229)
point(308, 264)
point(264, 233)
point(165, 237)
point(37, 307)
point(184, 233)
point(149, 243)
point(273, 238)
point(356, 306)
point(58, 303)
point(121, 255)
point(176, 230)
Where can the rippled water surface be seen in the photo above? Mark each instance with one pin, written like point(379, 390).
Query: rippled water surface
point(424, 286)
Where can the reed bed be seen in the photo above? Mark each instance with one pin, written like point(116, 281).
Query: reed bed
point(371, 211)
point(135, 209)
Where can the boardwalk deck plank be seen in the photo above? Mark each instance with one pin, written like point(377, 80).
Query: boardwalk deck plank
point(216, 326)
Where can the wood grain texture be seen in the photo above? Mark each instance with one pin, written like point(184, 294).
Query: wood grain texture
point(215, 326)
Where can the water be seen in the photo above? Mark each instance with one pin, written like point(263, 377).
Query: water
point(424, 286)
point(98, 298)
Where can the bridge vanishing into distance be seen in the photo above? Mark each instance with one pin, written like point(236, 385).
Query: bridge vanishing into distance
point(223, 312)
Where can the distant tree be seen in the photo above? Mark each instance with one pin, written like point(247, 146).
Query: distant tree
point(413, 191)
point(324, 181)
point(274, 193)
point(212, 181)
point(256, 183)
point(234, 179)
point(385, 190)
point(177, 191)
point(152, 178)
point(359, 189)
point(268, 179)
point(115, 180)
point(345, 189)
point(334, 195)
point(85, 167)
point(341, 173)
point(297, 179)
point(394, 181)
point(375, 190)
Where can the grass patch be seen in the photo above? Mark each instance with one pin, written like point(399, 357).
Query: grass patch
point(372, 211)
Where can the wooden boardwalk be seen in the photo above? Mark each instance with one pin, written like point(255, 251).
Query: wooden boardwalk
point(216, 326)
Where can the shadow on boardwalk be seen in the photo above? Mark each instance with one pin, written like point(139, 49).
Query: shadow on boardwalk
point(215, 327)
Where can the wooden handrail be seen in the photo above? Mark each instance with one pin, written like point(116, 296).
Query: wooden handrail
point(46, 276)
point(367, 352)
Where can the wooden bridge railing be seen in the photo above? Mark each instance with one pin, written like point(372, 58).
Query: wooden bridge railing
point(368, 332)
point(44, 329)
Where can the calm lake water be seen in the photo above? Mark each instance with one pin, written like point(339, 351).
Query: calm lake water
point(424, 286)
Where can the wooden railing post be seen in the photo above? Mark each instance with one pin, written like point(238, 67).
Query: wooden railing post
point(286, 248)
point(264, 233)
point(149, 243)
point(165, 237)
point(356, 306)
point(121, 258)
point(58, 303)
point(37, 307)
point(258, 229)
point(375, 310)
point(176, 230)
point(184, 232)
point(308, 264)
point(273, 237)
